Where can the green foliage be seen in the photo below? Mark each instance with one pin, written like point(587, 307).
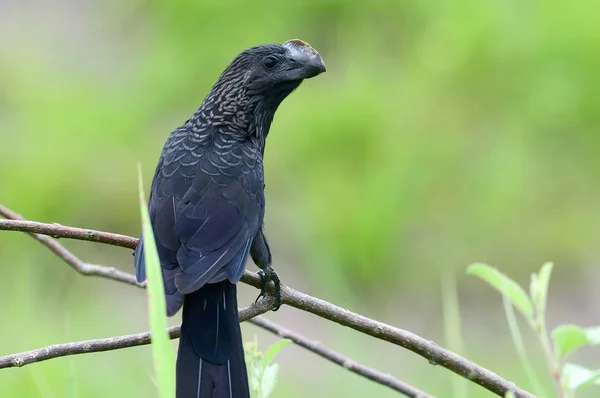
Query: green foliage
point(262, 374)
point(517, 338)
point(575, 376)
point(164, 360)
point(538, 289)
point(566, 338)
point(504, 285)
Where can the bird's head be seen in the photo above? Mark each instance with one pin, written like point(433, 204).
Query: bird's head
point(279, 67)
point(270, 72)
point(251, 88)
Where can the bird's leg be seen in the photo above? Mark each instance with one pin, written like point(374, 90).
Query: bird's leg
point(261, 254)
point(267, 276)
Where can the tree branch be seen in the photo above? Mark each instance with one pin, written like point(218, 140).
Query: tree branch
point(419, 345)
point(16, 223)
point(337, 358)
point(126, 341)
point(111, 343)
point(58, 231)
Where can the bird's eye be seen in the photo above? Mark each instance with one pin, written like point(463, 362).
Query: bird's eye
point(270, 62)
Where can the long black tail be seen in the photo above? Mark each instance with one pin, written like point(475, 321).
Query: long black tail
point(210, 360)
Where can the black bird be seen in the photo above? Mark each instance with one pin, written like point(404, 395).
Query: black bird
point(207, 206)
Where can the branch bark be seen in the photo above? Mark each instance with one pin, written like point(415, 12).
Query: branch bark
point(417, 344)
point(119, 342)
point(58, 231)
point(15, 222)
point(111, 343)
point(339, 359)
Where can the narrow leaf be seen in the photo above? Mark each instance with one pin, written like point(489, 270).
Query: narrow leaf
point(520, 346)
point(269, 380)
point(274, 350)
point(164, 360)
point(568, 338)
point(504, 285)
point(542, 290)
point(534, 291)
point(577, 376)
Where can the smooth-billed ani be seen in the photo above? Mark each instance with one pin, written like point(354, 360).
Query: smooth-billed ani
point(207, 206)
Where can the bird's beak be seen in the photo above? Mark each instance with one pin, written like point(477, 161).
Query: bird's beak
point(308, 61)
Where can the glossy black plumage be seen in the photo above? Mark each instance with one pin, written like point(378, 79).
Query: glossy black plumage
point(211, 355)
point(207, 207)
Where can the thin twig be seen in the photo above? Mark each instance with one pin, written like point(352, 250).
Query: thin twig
point(17, 223)
point(59, 231)
point(429, 350)
point(111, 343)
point(120, 342)
point(337, 358)
point(419, 345)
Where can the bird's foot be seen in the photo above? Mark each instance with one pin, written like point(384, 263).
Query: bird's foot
point(266, 276)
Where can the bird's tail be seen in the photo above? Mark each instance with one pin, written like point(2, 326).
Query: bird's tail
point(210, 360)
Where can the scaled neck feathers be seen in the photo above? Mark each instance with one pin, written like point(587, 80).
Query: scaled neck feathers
point(232, 108)
point(240, 107)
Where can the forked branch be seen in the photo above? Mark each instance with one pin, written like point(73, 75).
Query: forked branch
point(419, 345)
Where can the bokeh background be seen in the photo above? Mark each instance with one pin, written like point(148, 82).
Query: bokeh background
point(442, 134)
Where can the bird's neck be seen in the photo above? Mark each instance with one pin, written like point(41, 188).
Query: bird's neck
point(236, 114)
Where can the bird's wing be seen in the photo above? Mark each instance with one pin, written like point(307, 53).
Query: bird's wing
point(205, 211)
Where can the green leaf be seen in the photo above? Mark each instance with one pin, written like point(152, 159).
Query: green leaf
point(162, 351)
point(274, 350)
point(593, 335)
point(539, 288)
point(509, 394)
point(269, 380)
point(568, 338)
point(504, 285)
point(533, 289)
point(576, 376)
point(254, 365)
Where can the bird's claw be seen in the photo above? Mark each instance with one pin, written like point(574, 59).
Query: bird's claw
point(266, 276)
point(263, 285)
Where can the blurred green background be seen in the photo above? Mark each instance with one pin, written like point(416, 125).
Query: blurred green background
point(443, 133)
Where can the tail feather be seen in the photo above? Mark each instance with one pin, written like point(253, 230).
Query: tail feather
point(210, 359)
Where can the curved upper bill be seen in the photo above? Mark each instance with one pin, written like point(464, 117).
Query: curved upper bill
point(306, 56)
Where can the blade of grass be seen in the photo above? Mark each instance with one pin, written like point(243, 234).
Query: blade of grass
point(452, 329)
point(162, 352)
point(520, 346)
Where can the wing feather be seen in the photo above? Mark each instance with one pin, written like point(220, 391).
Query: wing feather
point(205, 212)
